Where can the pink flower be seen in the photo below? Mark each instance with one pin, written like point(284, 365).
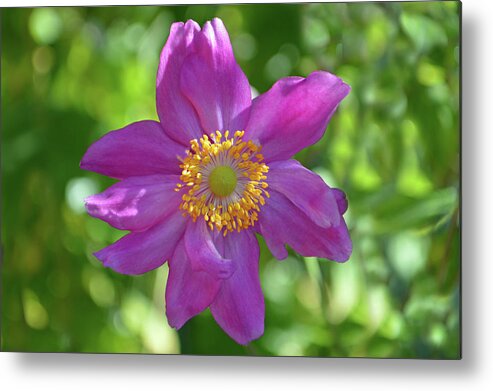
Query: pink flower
point(197, 186)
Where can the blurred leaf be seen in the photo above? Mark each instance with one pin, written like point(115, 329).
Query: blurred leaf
point(423, 31)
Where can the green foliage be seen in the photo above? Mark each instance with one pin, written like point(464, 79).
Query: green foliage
point(69, 75)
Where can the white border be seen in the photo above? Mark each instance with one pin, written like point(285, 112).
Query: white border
point(474, 372)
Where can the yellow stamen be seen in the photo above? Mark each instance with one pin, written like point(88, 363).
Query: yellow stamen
point(223, 180)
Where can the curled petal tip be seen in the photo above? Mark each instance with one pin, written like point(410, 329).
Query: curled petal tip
point(175, 25)
point(191, 24)
point(217, 21)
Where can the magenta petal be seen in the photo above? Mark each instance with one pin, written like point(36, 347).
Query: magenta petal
point(341, 200)
point(281, 223)
point(141, 148)
point(140, 252)
point(176, 113)
point(136, 203)
point(306, 190)
point(239, 306)
point(188, 292)
point(214, 82)
point(294, 113)
point(203, 253)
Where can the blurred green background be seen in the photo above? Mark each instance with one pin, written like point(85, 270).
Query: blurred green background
point(69, 75)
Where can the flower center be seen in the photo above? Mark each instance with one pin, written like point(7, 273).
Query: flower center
point(222, 181)
point(225, 181)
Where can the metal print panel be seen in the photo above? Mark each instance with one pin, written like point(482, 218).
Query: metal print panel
point(264, 180)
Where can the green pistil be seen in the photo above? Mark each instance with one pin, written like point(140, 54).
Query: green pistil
point(222, 181)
